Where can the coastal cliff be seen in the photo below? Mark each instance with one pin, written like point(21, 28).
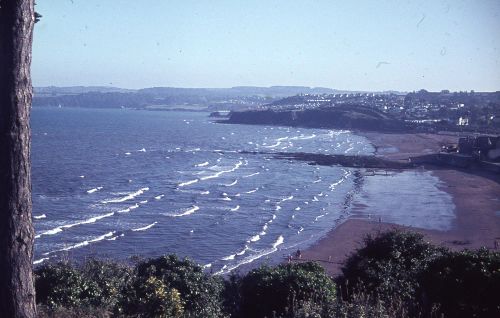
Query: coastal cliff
point(340, 117)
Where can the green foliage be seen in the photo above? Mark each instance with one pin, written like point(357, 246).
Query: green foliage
point(388, 265)
point(152, 298)
point(96, 283)
point(269, 291)
point(62, 284)
point(464, 284)
point(200, 293)
point(395, 274)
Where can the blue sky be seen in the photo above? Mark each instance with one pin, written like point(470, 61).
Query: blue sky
point(355, 45)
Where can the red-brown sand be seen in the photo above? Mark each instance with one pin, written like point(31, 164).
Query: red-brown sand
point(476, 196)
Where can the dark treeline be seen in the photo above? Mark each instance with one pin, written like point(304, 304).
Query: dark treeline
point(395, 274)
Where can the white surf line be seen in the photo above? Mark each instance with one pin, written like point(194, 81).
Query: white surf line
point(235, 208)
point(274, 247)
point(286, 199)
point(144, 228)
point(205, 192)
point(218, 174)
point(232, 183)
point(129, 196)
point(60, 228)
point(251, 175)
point(81, 244)
point(94, 190)
point(183, 184)
point(189, 211)
point(273, 146)
point(158, 197)
point(38, 261)
point(303, 137)
point(252, 191)
point(203, 164)
point(229, 257)
point(38, 217)
point(142, 150)
point(130, 208)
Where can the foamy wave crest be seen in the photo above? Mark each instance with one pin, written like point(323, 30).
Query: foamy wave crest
point(158, 197)
point(273, 146)
point(254, 238)
point(303, 137)
point(129, 196)
point(38, 261)
point(243, 251)
point(130, 208)
point(205, 192)
point(317, 180)
point(297, 208)
point(280, 240)
point(235, 208)
point(143, 202)
point(252, 191)
point(319, 217)
point(218, 174)
point(84, 243)
point(203, 164)
point(94, 190)
point(286, 199)
point(300, 230)
point(251, 175)
point(232, 183)
point(183, 184)
point(249, 259)
point(278, 207)
point(315, 199)
point(43, 216)
point(228, 258)
point(147, 227)
point(187, 212)
point(142, 150)
point(59, 229)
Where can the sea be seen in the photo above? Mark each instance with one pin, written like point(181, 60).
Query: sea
point(118, 183)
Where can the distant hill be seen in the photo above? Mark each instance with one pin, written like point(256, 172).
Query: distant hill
point(239, 97)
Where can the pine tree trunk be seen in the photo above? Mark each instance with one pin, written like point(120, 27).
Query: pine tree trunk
point(17, 296)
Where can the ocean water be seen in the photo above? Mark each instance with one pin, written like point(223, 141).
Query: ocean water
point(117, 183)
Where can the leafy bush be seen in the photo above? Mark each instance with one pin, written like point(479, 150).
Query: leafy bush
point(200, 293)
point(269, 291)
point(95, 283)
point(388, 265)
point(464, 284)
point(62, 284)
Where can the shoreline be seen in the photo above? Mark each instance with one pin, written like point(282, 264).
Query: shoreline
point(476, 223)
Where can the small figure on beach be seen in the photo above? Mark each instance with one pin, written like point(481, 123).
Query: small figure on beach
point(289, 258)
point(298, 254)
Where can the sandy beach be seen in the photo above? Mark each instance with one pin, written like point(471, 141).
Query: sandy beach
point(475, 196)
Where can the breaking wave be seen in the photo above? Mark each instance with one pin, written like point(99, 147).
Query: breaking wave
point(129, 196)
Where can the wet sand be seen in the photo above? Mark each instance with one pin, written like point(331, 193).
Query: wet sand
point(475, 194)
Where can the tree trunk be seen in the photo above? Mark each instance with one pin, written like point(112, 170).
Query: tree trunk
point(17, 296)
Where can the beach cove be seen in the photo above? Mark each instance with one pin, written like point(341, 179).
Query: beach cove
point(475, 224)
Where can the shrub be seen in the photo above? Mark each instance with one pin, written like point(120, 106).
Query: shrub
point(62, 285)
point(464, 284)
point(200, 294)
point(388, 265)
point(269, 291)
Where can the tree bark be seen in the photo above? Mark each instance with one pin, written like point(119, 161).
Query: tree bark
point(17, 296)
